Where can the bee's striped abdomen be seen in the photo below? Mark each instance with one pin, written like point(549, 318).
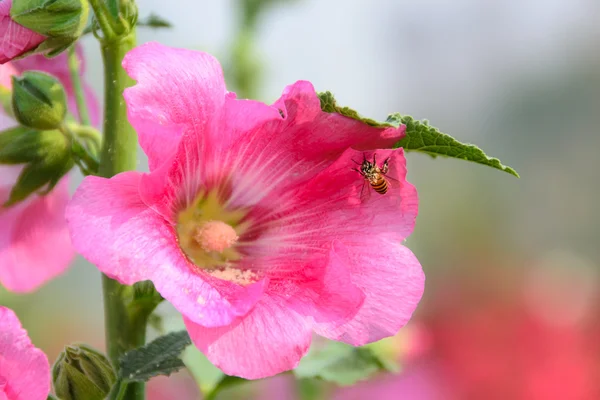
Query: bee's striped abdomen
point(380, 185)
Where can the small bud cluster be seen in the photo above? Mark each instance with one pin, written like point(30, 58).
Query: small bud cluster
point(80, 372)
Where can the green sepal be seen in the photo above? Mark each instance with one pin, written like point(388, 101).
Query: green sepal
point(39, 100)
point(52, 18)
point(81, 372)
point(145, 298)
point(46, 155)
point(420, 136)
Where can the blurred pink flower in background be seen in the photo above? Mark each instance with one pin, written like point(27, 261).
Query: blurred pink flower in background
point(421, 382)
point(178, 386)
point(493, 344)
point(15, 39)
point(24, 369)
point(251, 221)
point(34, 240)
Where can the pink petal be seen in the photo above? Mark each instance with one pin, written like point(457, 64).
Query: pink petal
point(6, 71)
point(15, 39)
point(112, 228)
point(393, 281)
point(24, 369)
point(186, 93)
point(204, 158)
point(34, 239)
point(269, 340)
point(286, 153)
point(323, 290)
point(286, 230)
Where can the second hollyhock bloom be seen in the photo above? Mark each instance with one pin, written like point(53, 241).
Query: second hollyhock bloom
point(34, 240)
point(24, 369)
point(15, 39)
point(252, 221)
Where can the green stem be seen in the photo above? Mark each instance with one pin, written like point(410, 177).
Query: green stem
point(82, 110)
point(103, 16)
point(124, 331)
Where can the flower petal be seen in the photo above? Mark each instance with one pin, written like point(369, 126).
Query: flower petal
point(15, 39)
point(23, 367)
point(269, 340)
point(170, 98)
point(286, 153)
point(333, 206)
point(114, 229)
point(323, 290)
point(34, 240)
point(393, 281)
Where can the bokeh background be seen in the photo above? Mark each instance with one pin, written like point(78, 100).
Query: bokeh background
point(511, 306)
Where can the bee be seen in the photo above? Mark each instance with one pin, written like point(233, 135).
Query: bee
point(374, 174)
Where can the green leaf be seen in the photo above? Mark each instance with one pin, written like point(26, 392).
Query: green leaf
point(155, 21)
point(424, 138)
point(420, 136)
point(159, 357)
point(328, 104)
point(341, 364)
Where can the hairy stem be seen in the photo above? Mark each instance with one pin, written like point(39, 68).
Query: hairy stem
point(124, 331)
point(106, 22)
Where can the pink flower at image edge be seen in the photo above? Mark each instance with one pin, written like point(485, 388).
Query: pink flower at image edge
point(24, 369)
point(252, 222)
point(15, 39)
point(34, 241)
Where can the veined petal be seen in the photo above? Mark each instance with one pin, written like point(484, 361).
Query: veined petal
point(323, 290)
point(287, 152)
point(34, 239)
point(24, 369)
point(182, 96)
point(393, 281)
point(269, 340)
point(337, 204)
point(114, 229)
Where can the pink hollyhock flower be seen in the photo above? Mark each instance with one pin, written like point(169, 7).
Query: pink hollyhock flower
point(251, 221)
point(34, 240)
point(15, 39)
point(24, 369)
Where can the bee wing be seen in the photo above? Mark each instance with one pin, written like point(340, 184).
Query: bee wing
point(365, 191)
point(393, 182)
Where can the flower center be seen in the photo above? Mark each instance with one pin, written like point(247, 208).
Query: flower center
point(215, 236)
point(208, 233)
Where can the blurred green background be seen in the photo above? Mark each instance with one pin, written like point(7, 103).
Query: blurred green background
point(511, 302)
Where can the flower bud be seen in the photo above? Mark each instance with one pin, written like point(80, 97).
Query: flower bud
point(39, 100)
point(81, 372)
point(46, 155)
point(64, 19)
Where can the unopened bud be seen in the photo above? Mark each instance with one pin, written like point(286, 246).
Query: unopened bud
point(39, 100)
point(81, 372)
point(64, 19)
point(46, 156)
